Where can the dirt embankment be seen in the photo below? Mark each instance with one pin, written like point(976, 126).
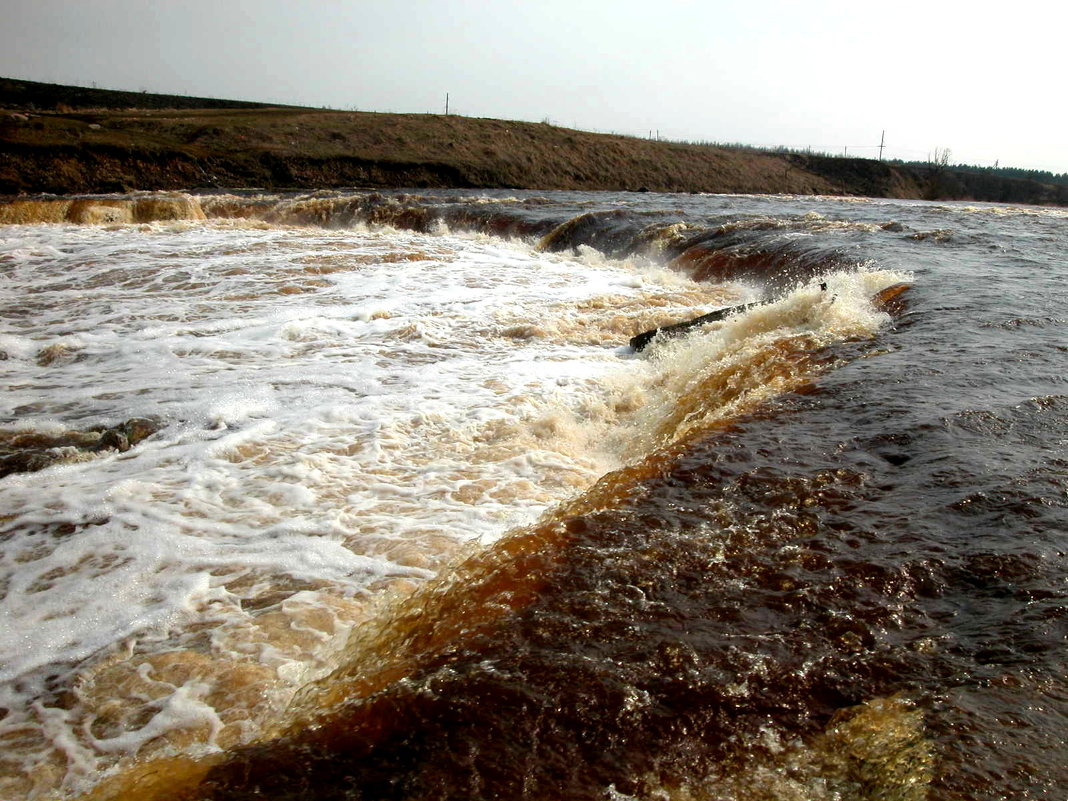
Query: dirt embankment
point(147, 149)
point(68, 151)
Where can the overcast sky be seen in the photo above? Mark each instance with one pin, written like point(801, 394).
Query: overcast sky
point(986, 81)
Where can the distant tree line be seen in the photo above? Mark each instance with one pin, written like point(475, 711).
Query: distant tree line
point(940, 160)
point(1040, 176)
point(942, 179)
point(996, 184)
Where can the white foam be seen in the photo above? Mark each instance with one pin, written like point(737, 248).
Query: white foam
point(325, 430)
point(341, 411)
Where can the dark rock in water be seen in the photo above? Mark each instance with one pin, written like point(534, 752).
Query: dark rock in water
point(112, 439)
point(941, 235)
point(643, 340)
point(126, 434)
point(138, 428)
point(56, 352)
point(30, 451)
point(27, 461)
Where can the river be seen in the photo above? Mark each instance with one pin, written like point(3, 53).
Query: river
point(408, 518)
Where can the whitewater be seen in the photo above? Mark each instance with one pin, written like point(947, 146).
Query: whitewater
point(366, 409)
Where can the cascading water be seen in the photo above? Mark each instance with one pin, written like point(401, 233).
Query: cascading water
point(400, 515)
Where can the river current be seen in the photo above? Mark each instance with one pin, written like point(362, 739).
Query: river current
point(366, 496)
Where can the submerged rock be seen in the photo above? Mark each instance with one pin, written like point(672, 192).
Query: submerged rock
point(138, 428)
point(112, 440)
point(56, 352)
point(30, 451)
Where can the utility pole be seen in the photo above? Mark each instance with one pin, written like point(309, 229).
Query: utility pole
point(446, 104)
point(882, 144)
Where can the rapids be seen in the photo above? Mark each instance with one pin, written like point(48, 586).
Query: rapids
point(414, 521)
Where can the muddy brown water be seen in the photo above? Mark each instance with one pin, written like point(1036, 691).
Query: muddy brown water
point(852, 587)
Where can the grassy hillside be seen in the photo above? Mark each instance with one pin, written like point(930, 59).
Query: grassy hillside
point(34, 96)
point(68, 150)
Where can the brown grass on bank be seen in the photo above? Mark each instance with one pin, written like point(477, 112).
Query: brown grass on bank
point(93, 151)
point(102, 150)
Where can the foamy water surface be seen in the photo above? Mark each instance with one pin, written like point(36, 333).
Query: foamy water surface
point(342, 415)
point(340, 412)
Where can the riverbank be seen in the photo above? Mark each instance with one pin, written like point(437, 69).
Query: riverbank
point(69, 150)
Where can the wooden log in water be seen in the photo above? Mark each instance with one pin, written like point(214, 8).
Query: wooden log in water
point(642, 340)
point(888, 300)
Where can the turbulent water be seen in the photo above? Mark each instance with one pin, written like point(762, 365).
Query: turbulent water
point(405, 517)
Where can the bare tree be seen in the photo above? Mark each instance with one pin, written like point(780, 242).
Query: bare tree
point(941, 157)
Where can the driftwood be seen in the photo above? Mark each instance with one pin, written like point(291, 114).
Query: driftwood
point(888, 300)
point(642, 340)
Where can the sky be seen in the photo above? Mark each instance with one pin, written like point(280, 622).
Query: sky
point(984, 81)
